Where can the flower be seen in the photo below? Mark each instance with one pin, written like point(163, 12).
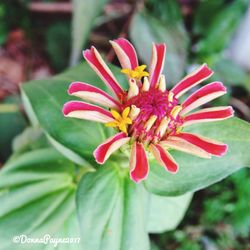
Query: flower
point(148, 117)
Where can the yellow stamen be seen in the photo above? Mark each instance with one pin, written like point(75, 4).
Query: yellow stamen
point(175, 111)
point(150, 122)
point(133, 89)
point(146, 84)
point(134, 112)
point(163, 126)
point(137, 73)
point(162, 83)
point(121, 121)
point(170, 96)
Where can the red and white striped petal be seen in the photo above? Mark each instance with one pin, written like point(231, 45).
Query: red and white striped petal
point(100, 67)
point(93, 94)
point(86, 111)
point(125, 53)
point(184, 146)
point(210, 146)
point(191, 80)
point(157, 63)
point(103, 151)
point(202, 96)
point(164, 158)
point(208, 115)
point(139, 166)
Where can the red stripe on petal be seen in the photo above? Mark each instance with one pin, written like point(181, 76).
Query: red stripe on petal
point(86, 111)
point(211, 146)
point(123, 49)
point(192, 80)
point(96, 62)
point(139, 166)
point(203, 95)
point(94, 94)
point(157, 63)
point(103, 151)
point(164, 158)
point(208, 115)
point(181, 145)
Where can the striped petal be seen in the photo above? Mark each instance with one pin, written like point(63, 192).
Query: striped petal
point(99, 66)
point(191, 80)
point(202, 96)
point(164, 158)
point(139, 166)
point(184, 146)
point(103, 151)
point(208, 115)
point(125, 53)
point(157, 63)
point(210, 146)
point(90, 93)
point(86, 111)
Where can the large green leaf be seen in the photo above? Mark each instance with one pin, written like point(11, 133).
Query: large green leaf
point(111, 211)
point(204, 15)
point(195, 173)
point(165, 213)
point(44, 100)
point(9, 114)
point(84, 14)
point(37, 197)
point(145, 29)
point(222, 28)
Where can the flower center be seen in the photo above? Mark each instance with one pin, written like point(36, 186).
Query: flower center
point(158, 116)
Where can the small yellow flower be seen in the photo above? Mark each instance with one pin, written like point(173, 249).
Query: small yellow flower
point(120, 121)
point(137, 73)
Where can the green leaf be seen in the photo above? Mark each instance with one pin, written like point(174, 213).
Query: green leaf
point(58, 33)
point(145, 29)
point(196, 173)
point(165, 213)
point(111, 211)
point(43, 102)
point(167, 11)
point(205, 14)
point(219, 33)
point(10, 114)
point(84, 15)
point(228, 72)
point(37, 197)
point(30, 139)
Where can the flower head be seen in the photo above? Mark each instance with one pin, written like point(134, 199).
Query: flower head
point(147, 116)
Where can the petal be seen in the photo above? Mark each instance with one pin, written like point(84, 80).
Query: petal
point(116, 115)
point(191, 80)
point(184, 146)
point(202, 96)
point(86, 111)
point(210, 146)
point(157, 63)
point(93, 94)
point(123, 128)
point(99, 66)
point(125, 112)
point(208, 115)
point(164, 158)
point(126, 53)
point(112, 124)
point(138, 163)
point(103, 151)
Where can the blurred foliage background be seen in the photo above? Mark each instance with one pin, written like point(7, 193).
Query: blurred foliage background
point(41, 38)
